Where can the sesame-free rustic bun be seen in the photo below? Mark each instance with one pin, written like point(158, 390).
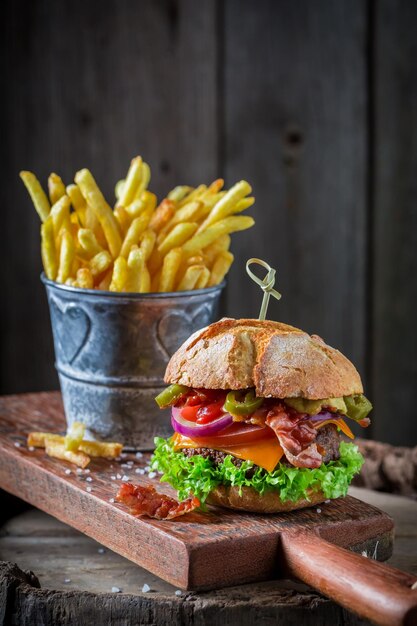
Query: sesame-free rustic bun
point(254, 502)
point(278, 360)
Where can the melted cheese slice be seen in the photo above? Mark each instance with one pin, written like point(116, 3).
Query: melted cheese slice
point(265, 452)
point(340, 424)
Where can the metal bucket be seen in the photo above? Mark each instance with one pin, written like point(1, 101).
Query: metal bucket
point(111, 352)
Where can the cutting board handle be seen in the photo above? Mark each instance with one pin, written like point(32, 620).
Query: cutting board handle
point(374, 591)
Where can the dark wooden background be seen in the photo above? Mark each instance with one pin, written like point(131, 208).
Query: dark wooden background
point(313, 101)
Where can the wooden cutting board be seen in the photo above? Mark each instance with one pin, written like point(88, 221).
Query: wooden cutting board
point(201, 550)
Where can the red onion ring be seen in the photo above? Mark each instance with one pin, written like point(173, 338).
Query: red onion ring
point(190, 429)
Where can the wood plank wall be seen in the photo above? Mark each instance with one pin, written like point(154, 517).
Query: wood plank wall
point(315, 103)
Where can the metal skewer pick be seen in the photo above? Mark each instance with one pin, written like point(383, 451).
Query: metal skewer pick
point(267, 284)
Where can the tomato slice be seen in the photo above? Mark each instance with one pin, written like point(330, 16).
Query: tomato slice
point(190, 412)
point(235, 435)
point(209, 412)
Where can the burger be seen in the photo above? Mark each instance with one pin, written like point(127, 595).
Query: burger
point(260, 414)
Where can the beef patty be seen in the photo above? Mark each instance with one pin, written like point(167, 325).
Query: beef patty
point(327, 437)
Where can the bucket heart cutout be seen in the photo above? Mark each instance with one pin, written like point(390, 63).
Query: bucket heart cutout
point(175, 327)
point(71, 326)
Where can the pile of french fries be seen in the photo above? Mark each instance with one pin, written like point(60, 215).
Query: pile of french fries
point(73, 447)
point(138, 246)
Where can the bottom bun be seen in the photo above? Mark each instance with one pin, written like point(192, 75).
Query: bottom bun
point(252, 501)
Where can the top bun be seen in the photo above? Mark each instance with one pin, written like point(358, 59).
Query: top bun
point(278, 360)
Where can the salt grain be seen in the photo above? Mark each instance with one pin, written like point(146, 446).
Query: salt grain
point(125, 465)
point(89, 489)
point(31, 449)
point(101, 550)
point(79, 470)
point(68, 471)
point(17, 444)
point(327, 501)
point(111, 500)
point(318, 510)
point(123, 455)
point(118, 476)
point(125, 478)
point(67, 580)
point(130, 463)
point(87, 471)
point(146, 588)
point(138, 470)
point(178, 592)
point(116, 589)
point(152, 474)
point(112, 477)
point(138, 455)
point(89, 479)
point(148, 468)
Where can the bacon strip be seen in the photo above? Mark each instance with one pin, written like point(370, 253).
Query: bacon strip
point(296, 435)
point(147, 501)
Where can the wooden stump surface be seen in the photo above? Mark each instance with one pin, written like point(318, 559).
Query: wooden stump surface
point(76, 577)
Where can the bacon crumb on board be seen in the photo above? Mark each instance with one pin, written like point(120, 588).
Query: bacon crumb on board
point(147, 501)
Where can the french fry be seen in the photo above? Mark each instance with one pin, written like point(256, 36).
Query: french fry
point(220, 267)
point(48, 249)
point(104, 284)
point(204, 278)
point(214, 188)
point(177, 236)
point(85, 278)
point(131, 183)
point(225, 206)
point(74, 436)
point(101, 209)
point(137, 227)
point(136, 208)
point(78, 202)
point(60, 214)
point(178, 193)
point(150, 199)
point(37, 194)
point(193, 195)
point(100, 263)
point(136, 266)
point(242, 205)
point(190, 278)
point(188, 213)
point(155, 279)
point(56, 188)
point(66, 256)
point(123, 218)
point(162, 215)
point(101, 449)
point(37, 439)
point(118, 188)
point(88, 242)
point(145, 177)
point(211, 233)
point(170, 266)
point(57, 450)
point(147, 242)
point(219, 245)
point(120, 274)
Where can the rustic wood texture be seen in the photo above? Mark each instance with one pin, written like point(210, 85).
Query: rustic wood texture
point(394, 370)
point(313, 102)
point(295, 120)
point(199, 551)
point(93, 86)
point(77, 574)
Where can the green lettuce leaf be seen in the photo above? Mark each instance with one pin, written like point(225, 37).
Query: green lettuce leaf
point(198, 476)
